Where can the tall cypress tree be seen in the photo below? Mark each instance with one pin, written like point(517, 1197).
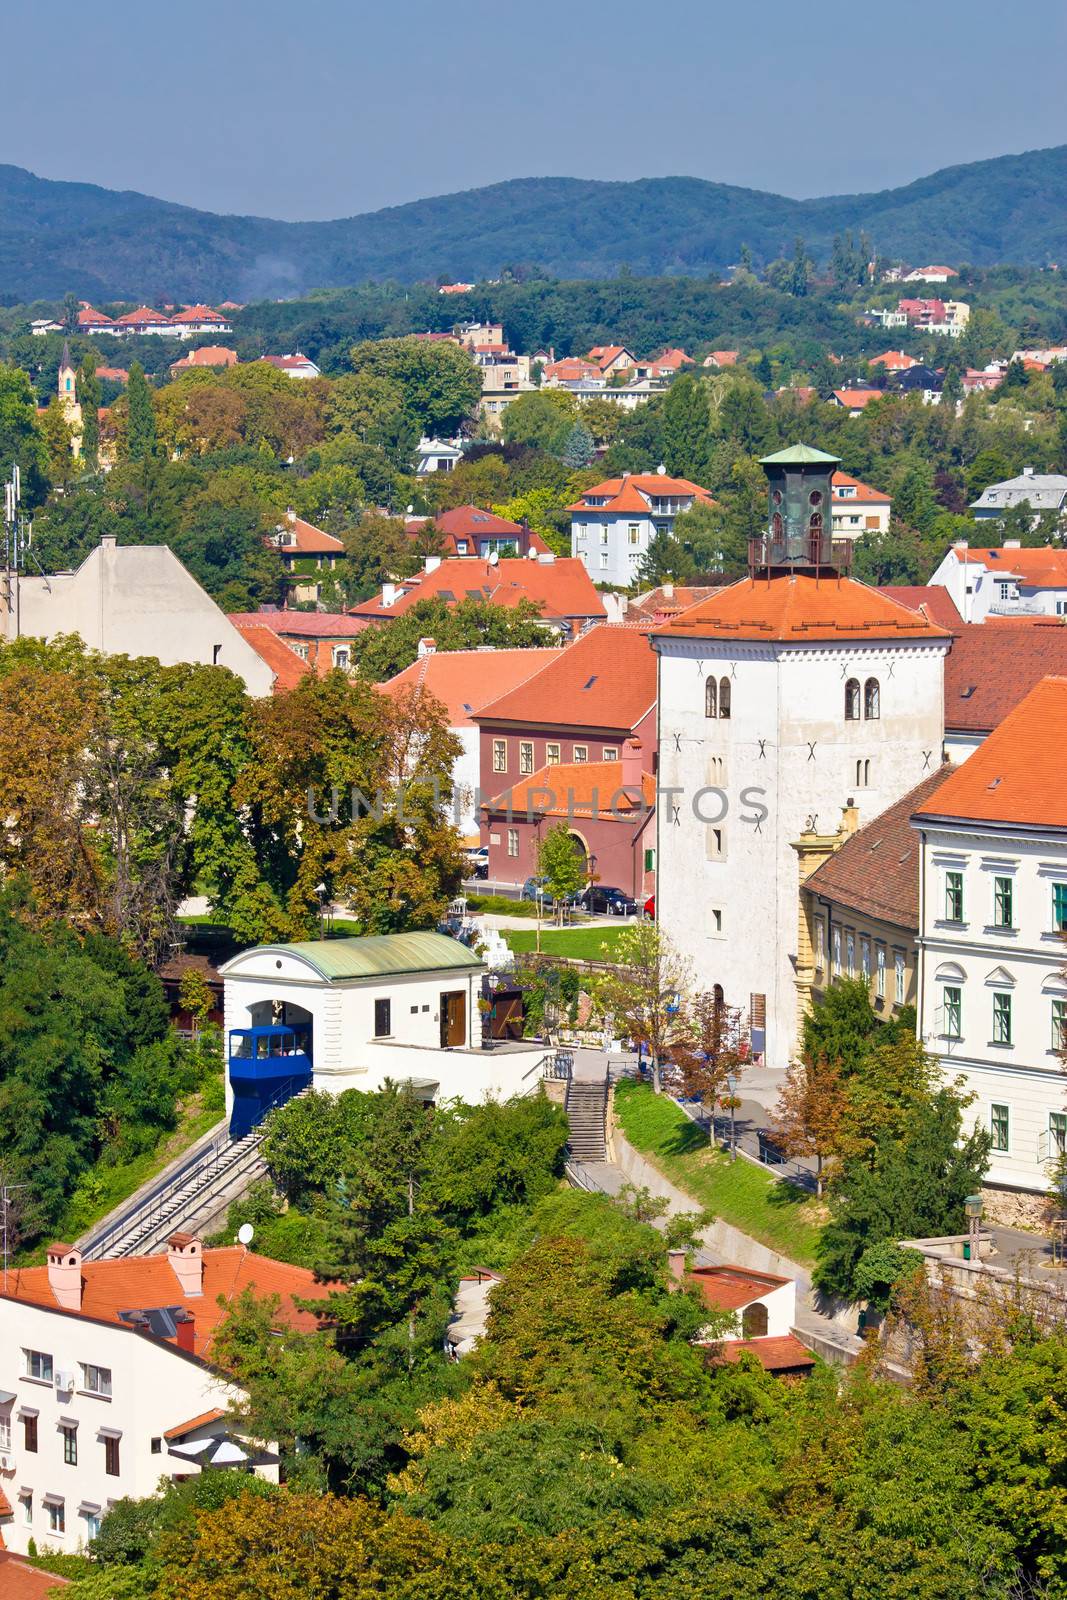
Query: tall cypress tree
point(141, 427)
point(89, 400)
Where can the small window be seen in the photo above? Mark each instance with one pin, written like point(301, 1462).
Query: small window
point(92, 1525)
point(711, 698)
point(26, 1502)
point(70, 1444)
point(383, 1018)
point(1059, 1025)
point(1059, 907)
point(157, 1445)
point(716, 920)
point(953, 896)
point(29, 1435)
point(1057, 1132)
point(111, 1457)
point(850, 954)
point(901, 978)
point(634, 532)
point(953, 1015)
point(871, 700)
point(1002, 1019)
point(879, 973)
point(526, 757)
point(650, 860)
point(500, 755)
point(1002, 902)
point(39, 1365)
point(552, 754)
point(96, 1380)
point(724, 698)
point(610, 753)
point(999, 1126)
point(852, 700)
point(836, 969)
point(865, 959)
point(820, 945)
point(513, 842)
point(340, 656)
point(57, 1516)
point(863, 773)
point(581, 753)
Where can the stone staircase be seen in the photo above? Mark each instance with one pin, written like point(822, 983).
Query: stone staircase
point(586, 1106)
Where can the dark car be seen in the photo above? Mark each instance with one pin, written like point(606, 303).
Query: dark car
point(601, 900)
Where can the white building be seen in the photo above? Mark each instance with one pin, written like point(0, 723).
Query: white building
point(106, 1381)
point(857, 508)
point(436, 455)
point(792, 692)
point(993, 918)
point(357, 1013)
point(614, 522)
point(1004, 581)
point(1041, 491)
point(135, 600)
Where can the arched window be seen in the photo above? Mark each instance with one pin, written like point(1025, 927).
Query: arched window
point(872, 699)
point(754, 1322)
point(852, 700)
point(776, 526)
point(711, 691)
point(724, 697)
point(815, 497)
point(717, 997)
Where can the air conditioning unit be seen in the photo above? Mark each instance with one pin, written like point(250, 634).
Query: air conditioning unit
point(7, 1461)
point(64, 1382)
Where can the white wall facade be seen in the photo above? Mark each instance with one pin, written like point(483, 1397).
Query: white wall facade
point(153, 1388)
point(979, 591)
point(786, 755)
point(138, 600)
point(980, 960)
point(611, 544)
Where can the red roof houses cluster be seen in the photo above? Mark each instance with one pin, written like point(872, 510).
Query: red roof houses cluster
point(184, 324)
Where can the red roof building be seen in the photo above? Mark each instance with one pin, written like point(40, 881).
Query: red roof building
point(113, 374)
point(856, 401)
point(614, 523)
point(930, 599)
point(201, 319)
point(286, 664)
point(321, 638)
point(893, 361)
point(801, 609)
point(92, 321)
point(857, 508)
point(992, 667)
point(294, 366)
point(569, 369)
point(722, 358)
point(20, 1581)
point(464, 681)
point(1016, 775)
point(208, 355)
point(470, 531)
point(144, 320)
point(609, 358)
point(559, 590)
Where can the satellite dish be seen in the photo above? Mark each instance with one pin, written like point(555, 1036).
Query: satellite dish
point(244, 1233)
point(494, 558)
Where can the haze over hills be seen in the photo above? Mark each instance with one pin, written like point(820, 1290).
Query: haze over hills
point(106, 244)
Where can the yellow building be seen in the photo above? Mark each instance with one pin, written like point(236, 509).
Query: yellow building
point(67, 390)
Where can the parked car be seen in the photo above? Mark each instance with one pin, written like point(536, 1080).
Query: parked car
point(650, 908)
point(600, 899)
point(477, 861)
point(534, 889)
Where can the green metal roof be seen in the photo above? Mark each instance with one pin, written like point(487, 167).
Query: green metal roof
point(798, 455)
point(381, 955)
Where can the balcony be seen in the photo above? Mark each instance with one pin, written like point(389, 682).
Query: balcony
point(807, 549)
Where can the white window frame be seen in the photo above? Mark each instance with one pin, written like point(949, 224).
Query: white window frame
point(513, 843)
point(500, 755)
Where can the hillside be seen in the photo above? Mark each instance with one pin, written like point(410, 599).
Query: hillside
point(106, 244)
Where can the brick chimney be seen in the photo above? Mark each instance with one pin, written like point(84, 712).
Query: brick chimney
point(632, 764)
point(427, 647)
point(65, 1275)
point(186, 1256)
point(676, 1268)
point(850, 818)
point(185, 1335)
point(389, 594)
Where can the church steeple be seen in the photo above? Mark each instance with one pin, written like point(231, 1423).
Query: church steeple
point(67, 389)
point(799, 513)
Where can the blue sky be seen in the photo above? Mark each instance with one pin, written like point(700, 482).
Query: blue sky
point(323, 108)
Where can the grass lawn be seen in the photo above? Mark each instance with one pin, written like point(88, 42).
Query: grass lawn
point(582, 944)
point(776, 1213)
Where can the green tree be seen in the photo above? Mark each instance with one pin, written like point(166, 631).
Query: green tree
point(646, 996)
point(439, 382)
point(141, 424)
point(21, 442)
point(686, 428)
point(561, 863)
point(89, 400)
point(578, 448)
point(544, 418)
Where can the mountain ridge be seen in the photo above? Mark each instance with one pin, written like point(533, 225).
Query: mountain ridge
point(119, 244)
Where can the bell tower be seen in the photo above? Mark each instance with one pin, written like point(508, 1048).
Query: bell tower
point(799, 515)
point(67, 390)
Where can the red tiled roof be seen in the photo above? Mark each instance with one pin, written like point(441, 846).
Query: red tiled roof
point(309, 540)
point(303, 624)
point(1016, 775)
point(89, 317)
point(723, 358)
point(672, 360)
point(605, 679)
point(864, 494)
point(876, 871)
point(281, 658)
point(574, 788)
point(116, 374)
point(202, 1421)
point(570, 369)
point(858, 399)
point(1041, 567)
point(469, 522)
point(142, 314)
point(730, 1288)
point(799, 609)
point(19, 1581)
point(990, 669)
point(560, 590)
point(633, 490)
point(932, 599)
point(605, 354)
point(199, 314)
point(893, 361)
point(783, 1353)
point(464, 680)
point(143, 1283)
point(668, 600)
point(208, 355)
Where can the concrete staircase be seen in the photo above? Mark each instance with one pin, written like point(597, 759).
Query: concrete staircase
point(586, 1106)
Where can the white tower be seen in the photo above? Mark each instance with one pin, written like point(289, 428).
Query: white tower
point(793, 692)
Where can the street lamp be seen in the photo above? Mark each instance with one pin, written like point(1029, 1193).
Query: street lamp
point(731, 1084)
point(972, 1205)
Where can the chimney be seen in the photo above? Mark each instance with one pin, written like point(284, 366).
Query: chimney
point(290, 514)
point(185, 1331)
point(959, 544)
point(676, 1268)
point(108, 541)
point(432, 563)
point(850, 818)
point(632, 764)
point(1028, 472)
point(427, 647)
point(185, 1255)
point(389, 592)
point(667, 591)
point(65, 1275)
point(1012, 544)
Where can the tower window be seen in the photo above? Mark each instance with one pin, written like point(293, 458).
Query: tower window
point(852, 700)
point(724, 697)
point(872, 699)
point(711, 698)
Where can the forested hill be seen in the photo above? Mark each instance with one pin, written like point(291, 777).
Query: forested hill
point(105, 244)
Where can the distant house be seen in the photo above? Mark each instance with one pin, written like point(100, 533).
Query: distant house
point(436, 455)
point(986, 378)
point(276, 653)
point(1042, 491)
point(455, 288)
point(614, 522)
point(194, 320)
point(92, 321)
point(559, 590)
point(570, 370)
point(145, 320)
point(920, 379)
point(1005, 581)
point(294, 366)
point(665, 365)
point(322, 639)
point(113, 374)
point(857, 508)
point(855, 401)
point(306, 551)
point(137, 600)
point(611, 358)
point(208, 355)
point(930, 275)
point(949, 317)
point(468, 531)
point(43, 325)
point(763, 1307)
point(893, 361)
point(990, 668)
point(722, 358)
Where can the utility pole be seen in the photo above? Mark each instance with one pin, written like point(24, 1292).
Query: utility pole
point(18, 532)
point(411, 1314)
